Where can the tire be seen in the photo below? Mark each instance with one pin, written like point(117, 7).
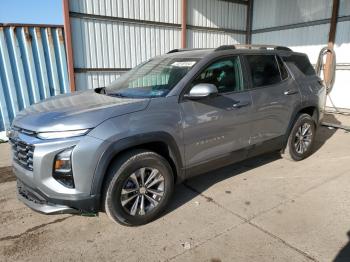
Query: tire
point(293, 148)
point(124, 182)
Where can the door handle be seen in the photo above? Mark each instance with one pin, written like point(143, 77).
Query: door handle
point(239, 104)
point(290, 92)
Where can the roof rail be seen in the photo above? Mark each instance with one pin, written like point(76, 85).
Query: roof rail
point(265, 47)
point(184, 50)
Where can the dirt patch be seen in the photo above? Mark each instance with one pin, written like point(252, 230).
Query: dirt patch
point(7, 216)
point(26, 244)
point(6, 174)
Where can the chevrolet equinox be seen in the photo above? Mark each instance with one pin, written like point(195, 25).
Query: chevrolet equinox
point(121, 148)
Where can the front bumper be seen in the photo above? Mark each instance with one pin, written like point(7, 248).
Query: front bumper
point(40, 191)
point(38, 201)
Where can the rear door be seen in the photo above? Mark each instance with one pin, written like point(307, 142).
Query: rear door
point(215, 127)
point(274, 94)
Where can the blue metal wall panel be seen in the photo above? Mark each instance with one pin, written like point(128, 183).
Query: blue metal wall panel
point(33, 67)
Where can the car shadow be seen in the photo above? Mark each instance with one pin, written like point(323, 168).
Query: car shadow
point(325, 133)
point(185, 192)
point(344, 253)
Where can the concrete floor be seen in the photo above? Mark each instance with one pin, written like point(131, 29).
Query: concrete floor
point(264, 209)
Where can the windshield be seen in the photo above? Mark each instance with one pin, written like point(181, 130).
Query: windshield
point(153, 78)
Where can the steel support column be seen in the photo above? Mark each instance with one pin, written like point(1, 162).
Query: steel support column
point(331, 37)
point(249, 22)
point(68, 38)
point(184, 24)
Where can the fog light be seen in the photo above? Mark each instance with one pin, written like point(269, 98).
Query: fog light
point(62, 168)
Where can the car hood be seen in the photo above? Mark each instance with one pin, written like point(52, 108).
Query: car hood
point(79, 110)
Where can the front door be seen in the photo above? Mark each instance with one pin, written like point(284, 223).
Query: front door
point(216, 127)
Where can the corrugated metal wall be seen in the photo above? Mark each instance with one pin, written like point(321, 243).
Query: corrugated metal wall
point(272, 13)
point(110, 37)
point(212, 39)
point(308, 40)
point(304, 26)
point(216, 14)
point(212, 23)
point(33, 67)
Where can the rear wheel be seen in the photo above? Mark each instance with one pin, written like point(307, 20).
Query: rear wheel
point(138, 188)
point(301, 139)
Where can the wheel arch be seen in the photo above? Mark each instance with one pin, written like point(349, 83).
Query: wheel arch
point(310, 109)
point(160, 142)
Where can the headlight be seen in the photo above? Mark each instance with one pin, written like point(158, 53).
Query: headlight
point(62, 168)
point(62, 134)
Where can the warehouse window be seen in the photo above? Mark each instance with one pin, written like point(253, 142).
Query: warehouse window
point(264, 70)
point(302, 63)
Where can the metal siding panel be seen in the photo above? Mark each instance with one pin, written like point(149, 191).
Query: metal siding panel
point(77, 42)
point(51, 58)
point(149, 10)
point(342, 43)
point(307, 40)
point(90, 80)
point(7, 77)
point(211, 39)
point(216, 14)
point(19, 74)
point(271, 13)
point(30, 65)
point(30, 62)
point(110, 44)
point(61, 59)
point(40, 63)
point(344, 8)
point(5, 119)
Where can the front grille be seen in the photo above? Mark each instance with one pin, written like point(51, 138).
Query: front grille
point(22, 153)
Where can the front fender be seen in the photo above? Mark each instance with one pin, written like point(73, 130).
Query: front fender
point(130, 142)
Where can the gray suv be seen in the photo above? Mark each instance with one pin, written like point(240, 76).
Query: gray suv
point(121, 148)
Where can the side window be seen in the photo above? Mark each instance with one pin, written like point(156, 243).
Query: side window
point(301, 62)
point(283, 70)
point(225, 74)
point(264, 70)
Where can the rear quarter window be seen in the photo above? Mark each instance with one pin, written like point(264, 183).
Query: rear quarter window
point(302, 63)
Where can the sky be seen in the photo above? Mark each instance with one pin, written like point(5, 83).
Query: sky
point(31, 11)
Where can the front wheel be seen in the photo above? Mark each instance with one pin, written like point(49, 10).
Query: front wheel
point(138, 187)
point(301, 139)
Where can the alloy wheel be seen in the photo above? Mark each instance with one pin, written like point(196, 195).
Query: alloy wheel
point(142, 191)
point(303, 138)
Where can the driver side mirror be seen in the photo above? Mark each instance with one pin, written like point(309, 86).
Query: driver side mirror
point(201, 91)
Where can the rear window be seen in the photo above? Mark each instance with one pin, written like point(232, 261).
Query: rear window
point(264, 70)
point(302, 63)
